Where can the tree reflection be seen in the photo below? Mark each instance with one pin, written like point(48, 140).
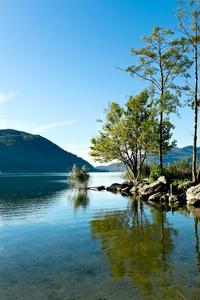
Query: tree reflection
point(79, 198)
point(196, 220)
point(137, 246)
point(196, 214)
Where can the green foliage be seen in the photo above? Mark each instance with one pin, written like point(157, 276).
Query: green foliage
point(182, 184)
point(188, 13)
point(144, 173)
point(155, 172)
point(127, 135)
point(180, 170)
point(160, 61)
point(80, 177)
point(126, 175)
point(177, 182)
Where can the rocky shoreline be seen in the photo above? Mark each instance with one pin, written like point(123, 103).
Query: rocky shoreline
point(159, 191)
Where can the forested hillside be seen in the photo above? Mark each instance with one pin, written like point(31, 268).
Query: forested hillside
point(24, 152)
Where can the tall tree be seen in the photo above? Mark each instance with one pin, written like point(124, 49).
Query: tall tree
point(128, 134)
point(188, 14)
point(159, 63)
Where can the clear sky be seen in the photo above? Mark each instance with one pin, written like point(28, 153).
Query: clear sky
point(57, 65)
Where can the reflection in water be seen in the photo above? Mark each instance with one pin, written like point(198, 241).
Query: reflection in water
point(54, 257)
point(79, 198)
point(197, 242)
point(137, 246)
point(196, 214)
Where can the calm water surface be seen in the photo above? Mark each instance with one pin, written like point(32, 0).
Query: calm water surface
point(56, 243)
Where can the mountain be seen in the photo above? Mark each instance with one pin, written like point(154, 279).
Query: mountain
point(174, 155)
point(24, 152)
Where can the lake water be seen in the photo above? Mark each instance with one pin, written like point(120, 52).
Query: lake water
point(57, 244)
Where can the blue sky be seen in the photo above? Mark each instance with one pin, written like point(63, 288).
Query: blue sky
point(57, 65)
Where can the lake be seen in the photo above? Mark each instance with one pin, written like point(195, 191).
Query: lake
point(57, 243)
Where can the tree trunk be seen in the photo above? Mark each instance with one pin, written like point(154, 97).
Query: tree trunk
point(194, 175)
point(160, 140)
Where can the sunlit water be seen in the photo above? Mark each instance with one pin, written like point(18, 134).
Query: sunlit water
point(56, 243)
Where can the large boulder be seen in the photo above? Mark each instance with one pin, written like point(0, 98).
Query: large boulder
point(135, 189)
point(155, 187)
point(193, 195)
point(155, 197)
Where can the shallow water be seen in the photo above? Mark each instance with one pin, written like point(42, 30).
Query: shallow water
point(56, 243)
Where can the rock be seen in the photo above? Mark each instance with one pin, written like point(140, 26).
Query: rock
point(174, 198)
point(193, 192)
point(194, 202)
point(155, 187)
point(127, 184)
point(155, 197)
point(133, 190)
point(164, 198)
point(139, 185)
point(115, 187)
point(162, 179)
point(126, 189)
point(145, 180)
point(101, 188)
point(193, 196)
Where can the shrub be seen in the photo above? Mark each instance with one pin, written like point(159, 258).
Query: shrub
point(155, 172)
point(80, 177)
point(180, 169)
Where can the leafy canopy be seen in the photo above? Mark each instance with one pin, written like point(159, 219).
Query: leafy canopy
point(127, 135)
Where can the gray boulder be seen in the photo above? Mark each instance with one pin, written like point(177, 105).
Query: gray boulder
point(162, 179)
point(155, 187)
point(193, 195)
point(133, 190)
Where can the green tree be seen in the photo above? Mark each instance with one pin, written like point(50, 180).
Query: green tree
point(188, 14)
point(159, 63)
point(128, 135)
